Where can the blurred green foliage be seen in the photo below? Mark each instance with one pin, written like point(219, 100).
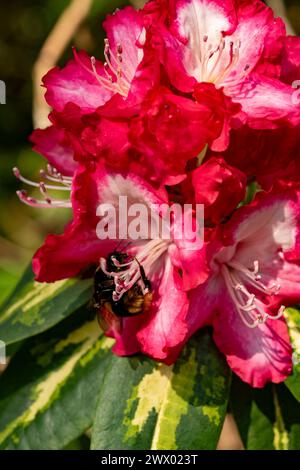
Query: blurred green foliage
point(25, 24)
point(293, 12)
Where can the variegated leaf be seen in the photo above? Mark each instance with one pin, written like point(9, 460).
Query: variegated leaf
point(34, 307)
point(49, 392)
point(146, 405)
point(267, 419)
point(292, 316)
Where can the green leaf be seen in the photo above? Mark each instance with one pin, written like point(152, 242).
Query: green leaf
point(34, 307)
point(48, 394)
point(146, 405)
point(267, 419)
point(292, 316)
point(82, 443)
point(7, 282)
point(252, 189)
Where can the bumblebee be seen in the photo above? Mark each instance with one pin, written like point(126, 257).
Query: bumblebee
point(135, 301)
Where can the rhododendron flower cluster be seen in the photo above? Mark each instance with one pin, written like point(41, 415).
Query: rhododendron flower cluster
point(193, 104)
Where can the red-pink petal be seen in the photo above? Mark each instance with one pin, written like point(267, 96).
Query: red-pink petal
point(257, 356)
point(164, 331)
point(204, 301)
point(66, 255)
point(219, 187)
point(51, 144)
point(266, 101)
point(261, 44)
point(76, 83)
point(127, 343)
point(125, 28)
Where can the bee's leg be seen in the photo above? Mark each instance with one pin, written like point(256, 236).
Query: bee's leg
point(144, 282)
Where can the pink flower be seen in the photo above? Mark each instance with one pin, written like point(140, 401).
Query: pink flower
point(255, 271)
point(168, 263)
point(232, 44)
point(87, 82)
point(269, 155)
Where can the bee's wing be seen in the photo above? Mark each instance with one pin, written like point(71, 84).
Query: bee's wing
point(107, 320)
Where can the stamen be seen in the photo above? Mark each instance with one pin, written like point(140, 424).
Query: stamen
point(238, 280)
point(251, 297)
point(234, 55)
point(279, 314)
point(121, 85)
point(19, 176)
point(213, 58)
point(110, 56)
point(55, 174)
point(30, 201)
point(118, 82)
point(253, 278)
point(108, 84)
point(106, 70)
point(48, 201)
point(65, 180)
point(219, 50)
point(256, 270)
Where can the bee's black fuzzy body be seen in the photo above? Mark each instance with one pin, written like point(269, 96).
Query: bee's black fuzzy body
point(132, 303)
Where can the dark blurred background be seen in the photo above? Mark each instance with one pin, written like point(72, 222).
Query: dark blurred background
point(25, 25)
